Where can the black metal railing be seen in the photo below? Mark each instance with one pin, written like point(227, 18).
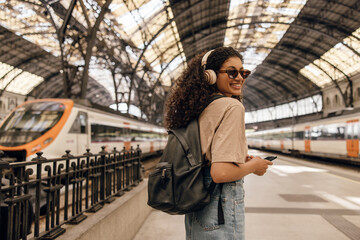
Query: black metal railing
point(40, 196)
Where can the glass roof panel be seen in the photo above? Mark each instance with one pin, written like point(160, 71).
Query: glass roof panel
point(265, 21)
point(28, 21)
point(337, 62)
point(174, 69)
point(313, 73)
point(16, 80)
point(18, 85)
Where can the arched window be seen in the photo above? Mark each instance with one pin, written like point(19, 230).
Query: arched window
point(328, 103)
point(336, 103)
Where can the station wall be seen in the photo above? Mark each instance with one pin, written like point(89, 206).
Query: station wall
point(9, 101)
point(333, 100)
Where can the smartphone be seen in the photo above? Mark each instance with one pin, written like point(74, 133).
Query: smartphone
point(270, 158)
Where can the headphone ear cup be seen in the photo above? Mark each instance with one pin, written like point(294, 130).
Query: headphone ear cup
point(210, 76)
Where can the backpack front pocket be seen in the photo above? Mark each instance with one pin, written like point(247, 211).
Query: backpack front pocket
point(160, 187)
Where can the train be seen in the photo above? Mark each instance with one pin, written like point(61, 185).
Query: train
point(335, 138)
point(53, 126)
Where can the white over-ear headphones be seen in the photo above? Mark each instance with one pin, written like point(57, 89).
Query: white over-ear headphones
point(210, 75)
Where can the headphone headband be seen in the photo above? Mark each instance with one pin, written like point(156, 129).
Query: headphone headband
point(205, 57)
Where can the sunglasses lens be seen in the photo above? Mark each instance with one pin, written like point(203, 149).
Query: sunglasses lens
point(244, 73)
point(232, 73)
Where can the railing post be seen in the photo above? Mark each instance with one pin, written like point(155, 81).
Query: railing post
point(87, 154)
point(109, 171)
point(67, 181)
point(135, 165)
point(113, 167)
point(58, 181)
point(38, 160)
point(51, 201)
point(119, 174)
point(77, 180)
point(3, 165)
point(127, 166)
point(10, 226)
point(27, 213)
point(103, 173)
point(140, 169)
point(94, 177)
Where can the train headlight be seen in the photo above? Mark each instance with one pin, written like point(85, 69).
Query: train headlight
point(36, 148)
point(48, 140)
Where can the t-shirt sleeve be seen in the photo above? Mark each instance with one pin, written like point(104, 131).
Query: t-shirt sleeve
point(229, 143)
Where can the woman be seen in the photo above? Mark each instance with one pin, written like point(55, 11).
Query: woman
point(222, 135)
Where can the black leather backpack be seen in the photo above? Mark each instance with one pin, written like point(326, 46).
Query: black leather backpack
point(176, 186)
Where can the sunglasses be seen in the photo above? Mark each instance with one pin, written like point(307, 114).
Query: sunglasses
point(232, 73)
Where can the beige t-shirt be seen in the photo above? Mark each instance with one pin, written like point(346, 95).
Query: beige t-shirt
point(222, 131)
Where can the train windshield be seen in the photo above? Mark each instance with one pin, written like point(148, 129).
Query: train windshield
point(29, 122)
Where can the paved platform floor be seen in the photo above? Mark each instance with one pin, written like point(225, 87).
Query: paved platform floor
point(295, 200)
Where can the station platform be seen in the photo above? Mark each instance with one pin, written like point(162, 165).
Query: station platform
point(295, 200)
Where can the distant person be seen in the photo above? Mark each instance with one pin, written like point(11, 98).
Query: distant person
point(222, 134)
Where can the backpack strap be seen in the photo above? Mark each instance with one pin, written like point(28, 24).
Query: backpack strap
point(221, 218)
point(213, 98)
point(189, 155)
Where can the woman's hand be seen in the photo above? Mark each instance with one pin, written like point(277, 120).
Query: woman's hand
point(228, 171)
point(260, 165)
point(248, 158)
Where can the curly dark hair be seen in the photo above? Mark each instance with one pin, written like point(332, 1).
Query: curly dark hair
point(191, 91)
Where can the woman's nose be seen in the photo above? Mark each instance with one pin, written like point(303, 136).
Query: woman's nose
point(239, 77)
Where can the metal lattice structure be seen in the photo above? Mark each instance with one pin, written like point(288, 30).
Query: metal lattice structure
point(131, 52)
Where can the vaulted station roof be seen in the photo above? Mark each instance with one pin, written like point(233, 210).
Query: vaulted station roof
point(131, 52)
point(30, 70)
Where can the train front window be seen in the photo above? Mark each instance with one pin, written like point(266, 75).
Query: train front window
point(30, 122)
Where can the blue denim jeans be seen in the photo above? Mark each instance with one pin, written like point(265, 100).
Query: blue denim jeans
point(203, 224)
